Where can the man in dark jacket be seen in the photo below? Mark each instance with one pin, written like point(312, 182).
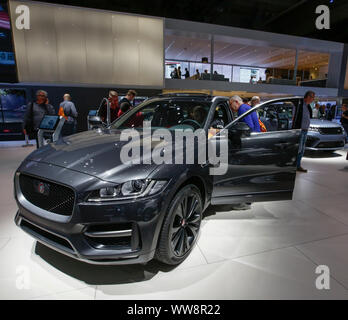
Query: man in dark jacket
point(126, 102)
point(34, 114)
point(69, 110)
point(344, 117)
point(301, 120)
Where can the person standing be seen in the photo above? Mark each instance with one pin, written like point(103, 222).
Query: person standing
point(187, 73)
point(114, 107)
point(237, 105)
point(175, 73)
point(246, 101)
point(316, 112)
point(179, 72)
point(333, 112)
point(34, 114)
point(344, 117)
point(198, 75)
point(67, 109)
point(322, 111)
point(126, 102)
point(255, 100)
point(301, 120)
point(125, 105)
point(328, 112)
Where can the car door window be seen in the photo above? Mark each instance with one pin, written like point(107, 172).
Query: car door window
point(261, 165)
point(269, 117)
point(220, 119)
point(275, 116)
point(171, 114)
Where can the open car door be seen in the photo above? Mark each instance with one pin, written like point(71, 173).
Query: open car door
point(261, 165)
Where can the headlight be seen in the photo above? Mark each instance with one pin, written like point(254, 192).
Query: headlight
point(313, 129)
point(109, 192)
point(128, 190)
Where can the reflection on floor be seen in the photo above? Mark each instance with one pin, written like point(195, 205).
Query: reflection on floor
point(268, 252)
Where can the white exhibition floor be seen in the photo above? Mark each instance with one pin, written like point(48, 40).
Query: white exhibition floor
point(268, 252)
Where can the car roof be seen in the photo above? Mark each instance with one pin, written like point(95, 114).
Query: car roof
point(207, 97)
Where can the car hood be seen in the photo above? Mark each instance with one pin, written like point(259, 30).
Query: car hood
point(324, 123)
point(96, 153)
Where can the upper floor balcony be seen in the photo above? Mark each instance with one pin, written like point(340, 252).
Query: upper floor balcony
point(226, 58)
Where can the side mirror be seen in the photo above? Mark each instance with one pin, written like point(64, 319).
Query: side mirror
point(95, 122)
point(239, 130)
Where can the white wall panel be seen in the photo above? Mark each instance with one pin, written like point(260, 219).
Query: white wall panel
point(75, 45)
point(71, 45)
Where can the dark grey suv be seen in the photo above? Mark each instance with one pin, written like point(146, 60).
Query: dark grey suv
point(77, 196)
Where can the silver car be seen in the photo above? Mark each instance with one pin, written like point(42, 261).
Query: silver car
point(324, 135)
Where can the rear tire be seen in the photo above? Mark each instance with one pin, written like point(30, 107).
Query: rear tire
point(181, 226)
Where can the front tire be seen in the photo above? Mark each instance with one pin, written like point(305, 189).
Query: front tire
point(181, 226)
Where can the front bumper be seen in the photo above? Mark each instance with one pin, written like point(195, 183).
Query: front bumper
point(325, 142)
point(118, 232)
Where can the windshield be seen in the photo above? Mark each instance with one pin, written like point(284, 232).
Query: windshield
point(170, 114)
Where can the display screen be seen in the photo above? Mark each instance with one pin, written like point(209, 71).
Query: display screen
point(49, 122)
point(92, 113)
point(137, 100)
point(12, 105)
point(7, 60)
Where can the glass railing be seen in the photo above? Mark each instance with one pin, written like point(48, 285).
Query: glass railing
point(192, 70)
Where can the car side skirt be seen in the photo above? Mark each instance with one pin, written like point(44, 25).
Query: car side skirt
point(254, 197)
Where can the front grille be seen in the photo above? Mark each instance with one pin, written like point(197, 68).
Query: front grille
point(311, 141)
point(331, 144)
point(334, 130)
point(47, 195)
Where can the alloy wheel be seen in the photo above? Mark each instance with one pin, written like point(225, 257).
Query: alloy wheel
point(185, 224)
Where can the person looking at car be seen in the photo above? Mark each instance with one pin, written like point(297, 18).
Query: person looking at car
point(255, 100)
point(246, 101)
point(322, 111)
point(301, 120)
point(34, 114)
point(67, 110)
point(126, 102)
point(114, 107)
point(328, 112)
point(344, 117)
point(316, 112)
point(237, 105)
